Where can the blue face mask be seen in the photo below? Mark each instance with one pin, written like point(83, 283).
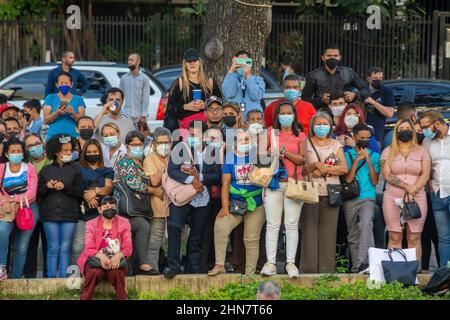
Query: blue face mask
point(15, 158)
point(240, 72)
point(321, 130)
point(111, 141)
point(429, 134)
point(75, 155)
point(244, 148)
point(64, 89)
point(136, 152)
point(193, 142)
point(291, 94)
point(36, 152)
point(286, 120)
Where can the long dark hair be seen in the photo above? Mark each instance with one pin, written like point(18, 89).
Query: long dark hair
point(83, 161)
point(296, 127)
point(13, 142)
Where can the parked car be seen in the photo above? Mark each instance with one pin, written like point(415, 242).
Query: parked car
point(167, 75)
point(30, 83)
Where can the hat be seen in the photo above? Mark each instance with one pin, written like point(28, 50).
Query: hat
point(191, 54)
point(213, 99)
point(7, 106)
point(108, 199)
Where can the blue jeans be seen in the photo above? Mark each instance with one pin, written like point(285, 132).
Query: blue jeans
point(441, 209)
point(59, 246)
point(20, 245)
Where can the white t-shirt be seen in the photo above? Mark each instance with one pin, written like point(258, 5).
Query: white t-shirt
point(16, 183)
point(111, 162)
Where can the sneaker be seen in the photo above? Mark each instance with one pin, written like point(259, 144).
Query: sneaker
point(292, 270)
point(3, 273)
point(269, 269)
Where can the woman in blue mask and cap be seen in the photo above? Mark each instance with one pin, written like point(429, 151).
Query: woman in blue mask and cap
point(63, 109)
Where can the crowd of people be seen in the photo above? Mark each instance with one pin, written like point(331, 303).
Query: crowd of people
point(107, 194)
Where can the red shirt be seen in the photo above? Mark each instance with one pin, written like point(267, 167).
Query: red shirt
point(305, 111)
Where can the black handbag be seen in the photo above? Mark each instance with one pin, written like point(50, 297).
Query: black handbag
point(95, 262)
point(238, 207)
point(132, 203)
point(404, 272)
point(410, 210)
point(439, 283)
point(352, 190)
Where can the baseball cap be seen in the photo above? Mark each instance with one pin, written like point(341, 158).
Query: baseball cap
point(7, 106)
point(213, 99)
point(191, 54)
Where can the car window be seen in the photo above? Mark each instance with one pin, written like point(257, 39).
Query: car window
point(152, 91)
point(398, 93)
point(270, 81)
point(167, 78)
point(30, 85)
point(98, 85)
point(431, 95)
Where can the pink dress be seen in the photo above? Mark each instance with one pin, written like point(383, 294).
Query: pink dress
point(407, 170)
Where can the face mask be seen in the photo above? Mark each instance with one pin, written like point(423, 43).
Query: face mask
point(111, 141)
point(109, 213)
point(163, 149)
point(15, 158)
point(362, 144)
point(214, 144)
point(36, 152)
point(240, 72)
point(27, 116)
point(338, 110)
point(75, 155)
point(66, 158)
point(255, 128)
point(86, 134)
point(291, 94)
point(193, 142)
point(376, 84)
point(286, 120)
point(321, 130)
point(420, 137)
point(332, 63)
point(12, 135)
point(92, 158)
point(64, 90)
point(229, 121)
point(136, 152)
point(351, 121)
point(405, 136)
point(243, 148)
point(428, 133)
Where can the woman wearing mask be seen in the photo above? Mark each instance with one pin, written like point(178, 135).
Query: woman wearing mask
point(232, 119)
point(241, 201)
point(63, 109)
point(406, 167)
point(288, 144)
point(113, 149)
point(34, 146)
point(326, 162)
point(154, 165)
point(19, 185)
point(188, 93)
point(97, 182)
point(60, 191)
point(351, 116)
point(129, 170)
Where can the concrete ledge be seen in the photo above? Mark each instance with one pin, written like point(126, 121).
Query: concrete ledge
point(158, 284)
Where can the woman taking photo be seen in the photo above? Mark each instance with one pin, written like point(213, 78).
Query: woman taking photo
point(60, 192)
point(63, 109)
point(18, 185)
point(112, 148)
point(188, 93)
point(288, 143)
point(406, 168)
point(326, 162)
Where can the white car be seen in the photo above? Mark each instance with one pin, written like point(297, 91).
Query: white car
point(30, 82)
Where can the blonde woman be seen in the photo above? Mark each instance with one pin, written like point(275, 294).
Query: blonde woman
point(189, 92)
point(112, 148)
point(406, 169)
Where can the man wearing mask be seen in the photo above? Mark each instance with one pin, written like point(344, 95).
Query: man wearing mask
point(111, 113)
point(337, 106)
point(321, 82)
point(214, 112)
point(78, 79)
point(380, 105)
point(13, 129)
point(136, 87)
point(305, 110)
point(85, 128)
point(32, 116)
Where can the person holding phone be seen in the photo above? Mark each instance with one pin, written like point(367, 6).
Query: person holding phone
point(63, 109)
point(241, 86)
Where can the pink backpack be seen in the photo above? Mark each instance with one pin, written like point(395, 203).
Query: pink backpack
point(24, 216)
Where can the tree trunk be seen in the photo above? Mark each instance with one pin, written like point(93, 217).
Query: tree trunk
point(230, 26)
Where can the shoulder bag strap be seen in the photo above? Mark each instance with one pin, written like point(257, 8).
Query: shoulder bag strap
point(306, 165)
point(317, 154)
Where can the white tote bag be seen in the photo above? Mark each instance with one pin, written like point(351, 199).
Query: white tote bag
point(378, 255)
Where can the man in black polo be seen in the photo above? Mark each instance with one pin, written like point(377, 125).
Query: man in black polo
point(331, 77)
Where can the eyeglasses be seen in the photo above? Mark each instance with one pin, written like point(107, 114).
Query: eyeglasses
point(218, 110)
point(426, 127)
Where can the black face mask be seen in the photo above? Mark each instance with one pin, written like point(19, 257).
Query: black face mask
point(92, 158)
point(12, 135)
point(376, 84)
point(27, 116)
point(405, 136)
point(86, 134)
point(229, 121)
point(362, 144)
point(420, 137)
point(109, 213)
point(332, 63)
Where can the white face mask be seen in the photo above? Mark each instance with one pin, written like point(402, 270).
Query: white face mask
point(255, 128)
point(351, 121)
point(66, 158)
point(337, 110)
point(163, 149)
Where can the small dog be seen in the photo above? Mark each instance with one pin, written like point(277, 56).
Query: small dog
point(112, 249)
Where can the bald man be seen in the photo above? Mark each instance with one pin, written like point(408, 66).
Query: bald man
point(136, 88)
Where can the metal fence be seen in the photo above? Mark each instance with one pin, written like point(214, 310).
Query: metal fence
point(402, 46)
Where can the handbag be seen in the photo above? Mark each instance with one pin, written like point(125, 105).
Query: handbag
point(24, 216)
point(301, 190)
point(410, 209)
point(10, 214)
point(238, 207)
point(95, 262)
point(404, 272)
point(261, 176)
point(352, 190)
point(334, 190)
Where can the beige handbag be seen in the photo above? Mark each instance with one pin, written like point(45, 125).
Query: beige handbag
point(260, 176)
point(300, 190)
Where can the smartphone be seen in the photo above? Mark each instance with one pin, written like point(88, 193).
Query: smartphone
point(247, 61)
point(63, 104)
